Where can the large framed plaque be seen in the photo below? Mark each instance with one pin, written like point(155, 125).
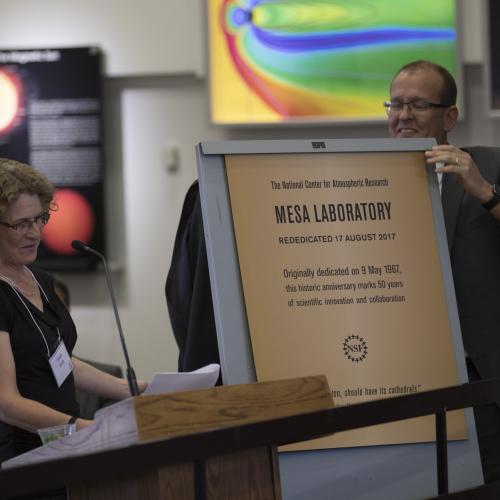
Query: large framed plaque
point(330, 257)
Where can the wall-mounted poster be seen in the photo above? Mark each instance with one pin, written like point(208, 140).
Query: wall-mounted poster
point(276, 61)
point(50, 118)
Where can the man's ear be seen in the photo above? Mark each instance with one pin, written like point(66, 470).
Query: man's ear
point(450, 118)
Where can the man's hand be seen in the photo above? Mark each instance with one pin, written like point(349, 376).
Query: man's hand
point(460, 163)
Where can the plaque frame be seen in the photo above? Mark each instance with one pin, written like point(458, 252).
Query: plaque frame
point(389, 471)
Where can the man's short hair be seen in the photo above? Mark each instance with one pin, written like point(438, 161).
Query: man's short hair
point(449, 88)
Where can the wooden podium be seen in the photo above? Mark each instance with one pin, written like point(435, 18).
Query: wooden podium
point(242, 472)
point(221, 443)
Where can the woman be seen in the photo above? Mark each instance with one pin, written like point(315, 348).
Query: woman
point(38, 374)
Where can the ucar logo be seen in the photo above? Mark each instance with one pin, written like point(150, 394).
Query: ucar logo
point(355, 348)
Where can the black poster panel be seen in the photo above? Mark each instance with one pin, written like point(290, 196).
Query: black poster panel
point(494, 53)
point(51, 118)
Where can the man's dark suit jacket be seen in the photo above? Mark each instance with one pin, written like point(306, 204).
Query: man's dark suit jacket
point(474, 243)
point(189, 298)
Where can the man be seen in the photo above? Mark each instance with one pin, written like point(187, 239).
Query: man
point(423, 104)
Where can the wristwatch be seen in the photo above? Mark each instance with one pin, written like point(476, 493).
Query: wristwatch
point(495, 200)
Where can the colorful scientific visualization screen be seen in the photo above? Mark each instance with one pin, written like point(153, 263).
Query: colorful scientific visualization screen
point(50, 118)
point(319, 60)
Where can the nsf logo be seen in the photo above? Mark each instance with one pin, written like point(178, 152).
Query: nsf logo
point(355, 348)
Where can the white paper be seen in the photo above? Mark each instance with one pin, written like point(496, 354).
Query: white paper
point(164, 382)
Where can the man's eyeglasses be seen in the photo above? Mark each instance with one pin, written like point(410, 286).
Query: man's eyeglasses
point(418, 105)
point(25, 225)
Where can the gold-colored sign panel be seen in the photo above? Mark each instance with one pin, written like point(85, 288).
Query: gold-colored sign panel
point(341, 276)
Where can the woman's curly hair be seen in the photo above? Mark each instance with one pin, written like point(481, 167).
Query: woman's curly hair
point(17, 178)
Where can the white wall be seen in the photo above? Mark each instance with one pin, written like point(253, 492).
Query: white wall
point(146, 117)
point(146, 37)
point(143, 117)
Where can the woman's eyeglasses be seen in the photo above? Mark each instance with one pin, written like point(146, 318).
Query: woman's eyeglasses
point(23, 226)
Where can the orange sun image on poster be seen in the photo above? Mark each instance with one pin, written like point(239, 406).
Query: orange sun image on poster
point(10, 99)
point(73, 220)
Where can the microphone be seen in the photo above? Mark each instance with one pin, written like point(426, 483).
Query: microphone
point(131, 379)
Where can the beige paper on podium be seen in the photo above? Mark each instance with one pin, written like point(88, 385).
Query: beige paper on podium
point(341, 276)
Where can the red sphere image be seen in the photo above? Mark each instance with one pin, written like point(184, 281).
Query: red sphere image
point(74, 220)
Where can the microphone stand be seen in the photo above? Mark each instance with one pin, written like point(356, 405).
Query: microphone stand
point(131, 378)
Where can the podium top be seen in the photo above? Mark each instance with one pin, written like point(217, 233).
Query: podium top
point(149, 418)
point(196, 412)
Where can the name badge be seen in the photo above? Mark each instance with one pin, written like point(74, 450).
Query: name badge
point(61, 364)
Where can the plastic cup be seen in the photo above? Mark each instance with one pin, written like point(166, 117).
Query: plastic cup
point(48, 434)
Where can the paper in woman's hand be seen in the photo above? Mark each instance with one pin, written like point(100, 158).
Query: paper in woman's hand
point(164, 382)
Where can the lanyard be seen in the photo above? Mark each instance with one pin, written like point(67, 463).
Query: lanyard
point(11, 283)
